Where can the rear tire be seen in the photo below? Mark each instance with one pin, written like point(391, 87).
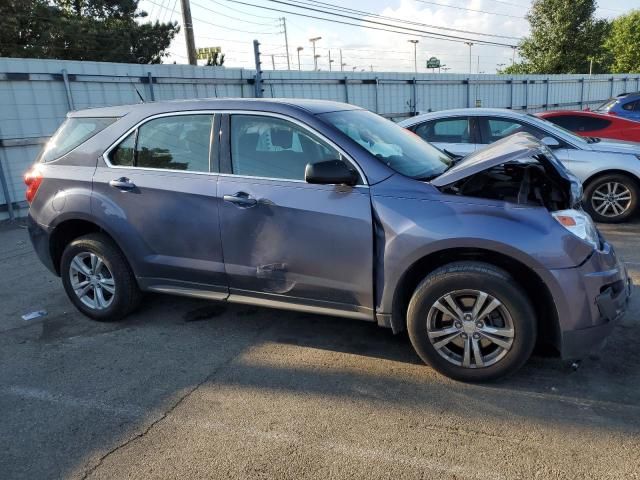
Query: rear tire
point(611, 198)
point(489, 331)
point(97, 278)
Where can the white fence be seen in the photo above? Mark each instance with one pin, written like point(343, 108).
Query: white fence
point(35, 96)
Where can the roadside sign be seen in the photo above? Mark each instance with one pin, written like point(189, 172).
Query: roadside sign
point(433, 62)
point(207, 52)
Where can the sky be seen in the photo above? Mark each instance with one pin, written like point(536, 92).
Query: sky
point(233, 26)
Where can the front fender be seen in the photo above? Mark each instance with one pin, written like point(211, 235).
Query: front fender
point(412, 229)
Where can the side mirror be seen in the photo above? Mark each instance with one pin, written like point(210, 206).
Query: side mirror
point(550, 142)
point(330, 172)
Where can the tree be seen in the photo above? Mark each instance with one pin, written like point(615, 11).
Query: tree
point(215, 60)
point(623, 42)
point(565, 36)
point(101, 30)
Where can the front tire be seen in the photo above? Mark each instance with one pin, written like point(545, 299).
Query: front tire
point(98, 279)
point(471, 322)
point(611, 198)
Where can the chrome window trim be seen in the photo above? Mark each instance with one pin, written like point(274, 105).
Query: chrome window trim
point(302, 125)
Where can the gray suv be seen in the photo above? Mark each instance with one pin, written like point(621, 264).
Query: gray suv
point(327, 208)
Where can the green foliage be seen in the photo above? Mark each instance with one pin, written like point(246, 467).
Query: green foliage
point(565, 36)
point(101, 30)
point(623, 43)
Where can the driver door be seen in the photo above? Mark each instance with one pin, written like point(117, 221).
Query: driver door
point(286, 241)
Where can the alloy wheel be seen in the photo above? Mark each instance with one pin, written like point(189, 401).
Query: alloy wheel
point(470, 328)
point(92, 280)
point(611, 199)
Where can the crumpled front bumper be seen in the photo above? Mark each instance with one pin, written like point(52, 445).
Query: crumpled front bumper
point(590, 300)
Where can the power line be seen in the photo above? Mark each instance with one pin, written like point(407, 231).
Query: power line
point(469, 9)
point(391, 28)
point(400, 20)
point(232, 17)
point(243, 12)
point(221, 26)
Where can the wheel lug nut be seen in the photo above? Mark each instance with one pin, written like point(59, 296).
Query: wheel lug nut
point(457, 325)
point(464, 336)
point(479, 324)
point(476, 336)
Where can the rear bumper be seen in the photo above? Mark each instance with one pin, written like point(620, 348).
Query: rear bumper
point(590, 300)
point(40, 239)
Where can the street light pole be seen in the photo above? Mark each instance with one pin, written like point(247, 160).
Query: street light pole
point(330, 61)
point(315, 57)
point(513, 56)
point(415, 54)
point(299, 50)
point(470, 45)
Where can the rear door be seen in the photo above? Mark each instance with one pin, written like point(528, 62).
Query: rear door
point(287, 242)
point(157, 195)
point(457, 135)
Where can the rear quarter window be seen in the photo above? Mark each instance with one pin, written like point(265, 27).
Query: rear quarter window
point(71, 134)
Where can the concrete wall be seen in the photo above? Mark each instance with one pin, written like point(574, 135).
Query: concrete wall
point(35, 96)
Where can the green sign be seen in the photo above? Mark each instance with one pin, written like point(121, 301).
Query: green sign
point(433, 62)
point(207, 52)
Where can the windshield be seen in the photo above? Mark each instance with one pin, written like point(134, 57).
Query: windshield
point(547, 123)
point(398, 148)
point(606, 105)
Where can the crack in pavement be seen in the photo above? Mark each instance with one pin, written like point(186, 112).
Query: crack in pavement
point(172, 408)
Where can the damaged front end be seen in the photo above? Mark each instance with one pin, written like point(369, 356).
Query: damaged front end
point(517, 169)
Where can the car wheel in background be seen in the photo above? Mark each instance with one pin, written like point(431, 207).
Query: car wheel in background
point(611, 198)
point(98, 279)
point(471, 322)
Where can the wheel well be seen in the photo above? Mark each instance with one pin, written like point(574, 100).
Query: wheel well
point(65, 233)
point(595, 176)
point(529, 281)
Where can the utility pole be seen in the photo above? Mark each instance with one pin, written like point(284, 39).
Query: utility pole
point(513, 56)
point(330, 61)
point(187, 22)
point(258, 80)
point(470, 45)
point(315, 57)
point(273, 61)
point(286, 40)
point(415, 54)
point(341, 64)
point(299, 50)
point(371, 67)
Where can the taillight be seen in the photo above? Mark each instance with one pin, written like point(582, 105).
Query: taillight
point(32, 179)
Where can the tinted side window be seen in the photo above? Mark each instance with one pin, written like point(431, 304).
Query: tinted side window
point(124, 154)
point(450, 130)
point(570, 122)
point(497, 128)
point(180, 142)
point(72, 133)
point(632, 106)
point(274, 148)
point(590, 124)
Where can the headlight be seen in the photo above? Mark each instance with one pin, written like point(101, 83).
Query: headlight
point(580, 224)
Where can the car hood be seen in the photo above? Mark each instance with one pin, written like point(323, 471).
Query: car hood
point(616, 146)
point(520, 147)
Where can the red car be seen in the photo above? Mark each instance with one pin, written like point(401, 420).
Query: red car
point(590, 124)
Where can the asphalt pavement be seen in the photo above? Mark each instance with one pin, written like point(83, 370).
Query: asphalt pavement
point(193, 389)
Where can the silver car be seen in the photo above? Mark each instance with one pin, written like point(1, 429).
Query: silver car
point(609, 169)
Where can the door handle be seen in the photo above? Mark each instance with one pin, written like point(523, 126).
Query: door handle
point(241, 199)
point(122, 183)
